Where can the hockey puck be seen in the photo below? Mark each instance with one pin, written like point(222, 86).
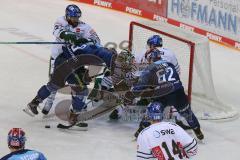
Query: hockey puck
point(47, 126)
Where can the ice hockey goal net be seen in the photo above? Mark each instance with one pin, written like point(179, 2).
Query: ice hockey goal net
point(193, 54)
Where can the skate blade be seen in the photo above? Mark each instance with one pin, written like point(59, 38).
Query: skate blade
point(77, 128)
point(28, 112)
point(134, 139)
point(201, 141)
point(81, 126)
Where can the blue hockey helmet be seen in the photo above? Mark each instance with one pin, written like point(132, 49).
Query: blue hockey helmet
point(16, 138)
point(154, 41)
point(155, 111)
point(73, 13)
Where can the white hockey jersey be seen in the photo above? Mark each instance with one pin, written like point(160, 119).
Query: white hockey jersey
point(82, 29)
point(163, 141)
point(166, 55)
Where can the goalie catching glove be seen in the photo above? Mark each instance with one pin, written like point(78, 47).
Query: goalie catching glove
point(73, 38)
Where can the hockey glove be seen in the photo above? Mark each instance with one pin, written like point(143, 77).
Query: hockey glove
point(80, 41)
point(68, 36)
point(73, 38)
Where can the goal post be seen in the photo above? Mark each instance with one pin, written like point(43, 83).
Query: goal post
point(193, 54)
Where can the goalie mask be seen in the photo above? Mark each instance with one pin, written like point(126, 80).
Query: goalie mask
point(125, 58)
point(123, 63)
point(73, 14)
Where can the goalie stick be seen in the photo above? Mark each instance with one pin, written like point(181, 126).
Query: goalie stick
point(98, 111)
point(62, 126)
point(95, 113)
point(113, 101)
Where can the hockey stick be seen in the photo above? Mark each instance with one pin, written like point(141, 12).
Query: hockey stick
point(62, 126)
point(161, 90)
point(100, 110)
point(77, 123)
point(33, 43)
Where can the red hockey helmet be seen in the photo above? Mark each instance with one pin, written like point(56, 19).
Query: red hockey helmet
point(16, 138)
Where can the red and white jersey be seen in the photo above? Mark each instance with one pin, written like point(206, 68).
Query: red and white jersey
point(163, 141)
point(82, 29)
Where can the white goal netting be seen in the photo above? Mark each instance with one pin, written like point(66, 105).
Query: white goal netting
point(188, 47)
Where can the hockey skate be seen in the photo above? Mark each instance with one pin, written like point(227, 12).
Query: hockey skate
point(28, 111)
point(198, 133)
point(32, 107)
point(45, 112)
point(114, 115)
point(73, 121)
point(73, 117)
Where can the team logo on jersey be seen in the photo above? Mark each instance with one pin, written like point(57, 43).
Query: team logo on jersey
point(156, 134)
point(78, 30)
point(158, 153)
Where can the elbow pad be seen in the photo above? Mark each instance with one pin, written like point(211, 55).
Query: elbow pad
point(191, 149)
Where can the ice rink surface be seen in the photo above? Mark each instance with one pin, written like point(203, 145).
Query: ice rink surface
point(24, 68)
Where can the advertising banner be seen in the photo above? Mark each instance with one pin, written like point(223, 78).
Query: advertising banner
point(143, 8)
point(221, 17)
point(219, 20)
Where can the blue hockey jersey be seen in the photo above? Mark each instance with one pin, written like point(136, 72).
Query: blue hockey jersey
point(151, 77)
point(24, 154)
point(101, 52)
